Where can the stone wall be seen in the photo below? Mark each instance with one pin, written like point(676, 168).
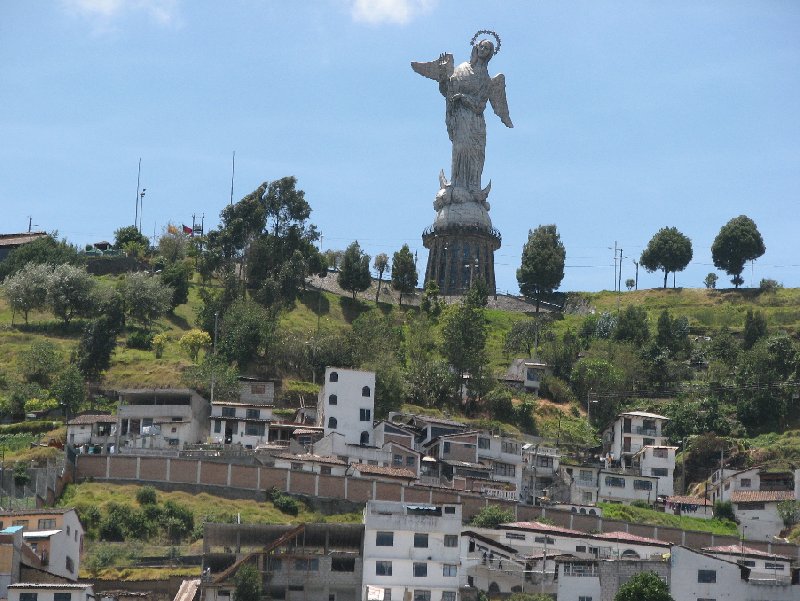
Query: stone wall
point(242, 481)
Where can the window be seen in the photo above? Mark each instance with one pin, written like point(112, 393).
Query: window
point(450, 540)
point(748, 563)
point(541, 539)
point(642, 485)
point(707, 576)
point(387, 594)
point(332, 423)
point(659, 471)
point(383, 568)
point(258, 388)
point(397, 460)
point(773, 566)
point(421, 540)
point(28, 596)
point(365, 391)
point(586, 476)
point(580, 570)
point(450, 510)
point(69, 564)
point(275, 564)
point(660, 453)
point(334, 377)
point(750, 506)
point(62, 596)
point(418, 596)
point(484, 443)
point(343, 564)
point(449, 570)
point(229, 412)
point(253, 414)
point(510, 447)
point(47, 524)
point(364, 415)
point(648, 442)
point(543, 461)
point(306, 565)
point(67, 530)
point(448, 596)
point(384, 539)
point(254, 429)
point(420, 569)
point(584, 598)
point(333, 400)
point(325, 470)
point(410, 461)
point(505, 469)
point(587, 497)
point(580, 549)
point(23, 523)
point(445, 447)
point(745, 482)
point(364, 440)
point(217, 426)
point(615, 482)
point(515, 536)
point(297, 466)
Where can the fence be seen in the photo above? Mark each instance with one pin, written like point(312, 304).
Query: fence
point(249, 480)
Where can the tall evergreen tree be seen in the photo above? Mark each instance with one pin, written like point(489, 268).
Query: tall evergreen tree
point(354, 274)
point(542, 267)
point(404, 272)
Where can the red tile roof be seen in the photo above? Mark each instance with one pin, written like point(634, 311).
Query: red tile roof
point(394, 472)
point(631, 538)
point(689, 500)
point(89, 419)
point(764, 496)
point(311, 458)
point(740, 550)
point(540, 527)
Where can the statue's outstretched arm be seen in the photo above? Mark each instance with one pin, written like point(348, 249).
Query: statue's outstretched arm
point(497, 96)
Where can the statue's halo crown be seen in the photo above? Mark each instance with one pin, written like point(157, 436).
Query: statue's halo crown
point(491, 33)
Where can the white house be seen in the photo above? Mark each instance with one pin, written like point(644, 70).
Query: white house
point(757, 512)
point(158, 418)
point(92, 433)
point(241, 423)
point(631, 431)
point(412, 551)
point(346, 404)
point(658, 461)
point(50, 591)
point(619, 486)
point(761, 563)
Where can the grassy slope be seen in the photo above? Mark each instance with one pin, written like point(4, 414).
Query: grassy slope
point(627, 513)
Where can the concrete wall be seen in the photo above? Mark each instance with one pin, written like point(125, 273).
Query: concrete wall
point(242, 481)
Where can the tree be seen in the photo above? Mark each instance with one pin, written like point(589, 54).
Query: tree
point(431, 304)
point(755, 328)
point(644, 586)
point(40, 362)
point(44, 251)
point(173, 244)
point(97, 343)
point(127, 235)
point(245, 332)
point(632, 326)
point(710, 281)
point(146, 297)
point(213, 369)
point(381, 264)
point(738, 241)
point(176, 276)
point(69, 292)
point(525, 334)
point(630, 283)
point(542, 267)
point(26, 289)
point(248, 584)
point(669, 250)
point(354, 274)
point(193, 341)
point(464, 337)
point(69, 389)
point(789, 512)
point(404, 272)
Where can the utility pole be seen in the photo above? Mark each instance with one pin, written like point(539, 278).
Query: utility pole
point(615, 265)
point(138, 179)
point(636, 287)
point(233, 172)
point(619, 275)
point(141, 208)
point(214, 364)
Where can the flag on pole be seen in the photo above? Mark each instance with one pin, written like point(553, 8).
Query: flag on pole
point(172, 229)
point(188, 231)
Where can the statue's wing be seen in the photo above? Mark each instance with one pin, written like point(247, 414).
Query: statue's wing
point(440, 69)
point(497, 96)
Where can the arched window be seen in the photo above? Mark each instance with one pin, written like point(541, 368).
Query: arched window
point(630, 554)
point(365, 438)
point(583, 510)
point(334, 377)
point(333, 400)
point(365, 391)
point(494, 588)
point(332, 422)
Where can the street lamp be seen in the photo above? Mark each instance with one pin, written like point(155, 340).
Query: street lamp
point(589, 401)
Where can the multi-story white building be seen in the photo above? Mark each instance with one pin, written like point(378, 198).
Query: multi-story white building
point(346, 404)
point(412, 551)
point(631, 431)
point(241, 423)
point(50, 591)
point(158, 418)
point(540, 465)
point(658, 462)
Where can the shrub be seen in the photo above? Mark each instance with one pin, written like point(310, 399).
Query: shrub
point(146, 495)
point(723, 510)
point(21, 476)
point(556, 389)
point(159, 342)
point(769, 285)
point(282, 502)
point(492, 516)
point(641, 504)
point(140, 340)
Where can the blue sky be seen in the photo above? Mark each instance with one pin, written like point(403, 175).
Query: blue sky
point(629, 116)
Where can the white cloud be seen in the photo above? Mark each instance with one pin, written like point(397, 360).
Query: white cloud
point(162, 12)
point(398, 12)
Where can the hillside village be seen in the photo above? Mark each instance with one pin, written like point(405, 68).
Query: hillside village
point(499, 478)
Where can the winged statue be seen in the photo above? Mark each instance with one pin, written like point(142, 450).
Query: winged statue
point(466, 89)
